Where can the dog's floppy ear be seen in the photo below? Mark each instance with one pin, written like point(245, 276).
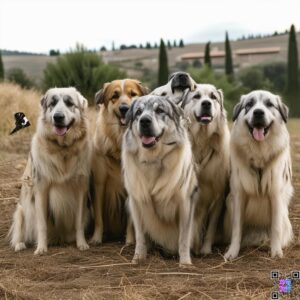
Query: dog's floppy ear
point(99, 96)
point(83, 102)
point(283, 109)
point(129, 114)
point(221, 95)
point(237, 109)
point(144, 90)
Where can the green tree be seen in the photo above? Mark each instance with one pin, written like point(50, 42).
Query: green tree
point(82, 69)
point(1, 67)
point(174, 44)
point(163, 71)
point(169, 45)
point(228, 58)
point(292, 85)
point(207, 59)
point(181, 44)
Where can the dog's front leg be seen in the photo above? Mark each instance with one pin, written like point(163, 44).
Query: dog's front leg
point(41, 210)
point(140, 252)
point(211, 229)
point(276, 225)
point(185, 231)
point(236, 225)
point(80, 238)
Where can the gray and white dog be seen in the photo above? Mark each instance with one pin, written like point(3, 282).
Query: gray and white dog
point(159, 176)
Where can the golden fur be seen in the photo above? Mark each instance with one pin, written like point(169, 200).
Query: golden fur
point(52, 206)
point(110, 194)
point(260, 181)
point(210, 145)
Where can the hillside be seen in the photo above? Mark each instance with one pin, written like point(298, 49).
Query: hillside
point(136, 61)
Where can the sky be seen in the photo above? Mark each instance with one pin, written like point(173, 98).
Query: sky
point(41, 25)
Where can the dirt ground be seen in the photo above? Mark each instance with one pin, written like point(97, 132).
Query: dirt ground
point(105, 272)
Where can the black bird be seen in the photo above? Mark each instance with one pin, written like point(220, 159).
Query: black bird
point(21, 122)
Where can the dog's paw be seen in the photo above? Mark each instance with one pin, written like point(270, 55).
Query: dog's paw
point(95, 241)
point(83, 246)
point(206, 249)
point(40, 250)
point(20, 247)
point(138, 258)
point(185, 262)
point(276, 252)
point(129, 241)
point(231, 254)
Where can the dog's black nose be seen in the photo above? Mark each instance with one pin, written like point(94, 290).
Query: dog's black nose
point(258, 113)
point(59, 117)
point(206, 104)
point(182, 76)
point(123, 109)
point(145, 121)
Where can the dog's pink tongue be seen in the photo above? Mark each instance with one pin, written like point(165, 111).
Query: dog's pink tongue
point(258, 134)
point(60, 130)
point(146, 140)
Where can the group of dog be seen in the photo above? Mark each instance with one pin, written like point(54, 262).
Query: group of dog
point(162, 169)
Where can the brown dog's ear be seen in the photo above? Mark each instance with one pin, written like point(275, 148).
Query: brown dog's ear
point(99, 96)
point(283, 109)
point(237, 109)
point(144, 90)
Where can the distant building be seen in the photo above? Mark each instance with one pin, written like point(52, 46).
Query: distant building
point(241, 57)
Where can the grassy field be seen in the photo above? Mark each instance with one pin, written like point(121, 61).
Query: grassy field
point(105, 271)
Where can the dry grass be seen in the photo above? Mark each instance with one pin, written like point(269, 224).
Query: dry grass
point(105, 272)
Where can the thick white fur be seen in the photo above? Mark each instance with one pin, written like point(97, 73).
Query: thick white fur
point(259, 200)
point(160, 183)
point(210, 145)
point(52, 206)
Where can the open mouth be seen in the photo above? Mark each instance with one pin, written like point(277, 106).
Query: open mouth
point(122, 120)
point(62, 130)
point(204, 119)
point(259, 132)
point(150, 141)
point(181, 88)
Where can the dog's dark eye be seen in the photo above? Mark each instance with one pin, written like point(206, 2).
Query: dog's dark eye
point(133, 94)
point(69, 102)
point(159, 111)
point(249, 104)
point(53, 102)
point(138, 112)
point(269, 103)
point(213, 96)
point(115, 96)
point(164, 94)
point(197, 96)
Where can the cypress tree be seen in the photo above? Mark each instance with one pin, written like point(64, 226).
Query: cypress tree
point(181, 44)
point(228, 57)
point(292, 85)
point(207, 59)
point(1, 67)
point(169, 45)
point(163, 71)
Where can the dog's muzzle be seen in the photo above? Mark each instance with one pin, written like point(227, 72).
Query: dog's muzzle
point(180, 81)
point(60, 128)
point(148, 138)
point(205, 115)
point(123, 108)
point(258, 126)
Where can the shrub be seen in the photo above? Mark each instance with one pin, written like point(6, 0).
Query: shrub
point(19, 77)
point(81, 69)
